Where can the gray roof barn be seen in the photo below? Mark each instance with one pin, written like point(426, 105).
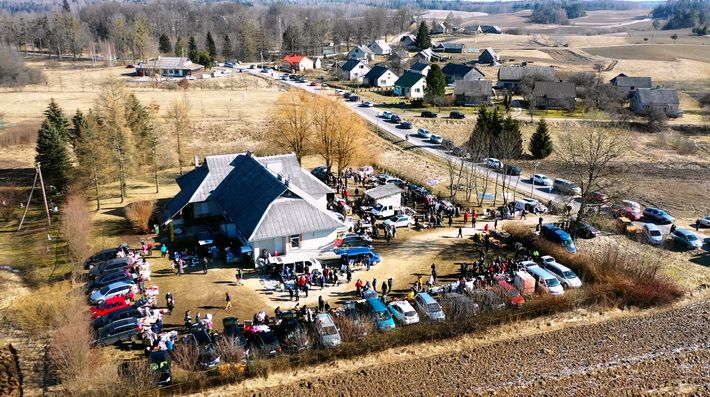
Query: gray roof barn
point(517, 73)
point(455, 71)
point(657, 96)
point(473, 87)
point(623, 80)
point(382, 191)
point(554, 89)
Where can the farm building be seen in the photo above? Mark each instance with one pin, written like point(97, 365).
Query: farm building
point(427, 56)
point(353, 70)
point(454, 48)
point(645, 100)
point(408, 40)
point(554, 95)
point(421, 68)
point(628, 84)
point(297, 63)
point(399, 57)
point(380, 76)
point(263, 203)
point(410, 85)
point(380, 47)
point(510, 76)
point(473, 92)
point(361, 53)
point(440, 28)
point(458, 71)
point(488, 56)
point(169, 67)
point(476, 29)
point(385, 195)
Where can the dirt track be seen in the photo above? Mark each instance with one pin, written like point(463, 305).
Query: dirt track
point(663, 354)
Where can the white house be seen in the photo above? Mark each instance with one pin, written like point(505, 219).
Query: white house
point(421, 68)
point(353, 70)
point(410, 85)
point(440, 28)
point(268, 203)
point(361, 53)
point(380, 76)
point(297, 63)
point(387, 194)
point(380, 47)
point(169, 67)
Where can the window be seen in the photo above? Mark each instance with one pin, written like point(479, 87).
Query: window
point(295, 241)
point(416, 90)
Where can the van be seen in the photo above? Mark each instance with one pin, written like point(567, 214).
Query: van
point(296, 262)
point(358, 254)
point(429, 307)
point(562, 272)
point(653, 234)
point(383, 211)
point(559, 236)
point(566, 187)
point(545, 282)
point(380, 314)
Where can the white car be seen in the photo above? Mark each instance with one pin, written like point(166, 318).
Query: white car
point(365, 171)
point(423, 133)
point(493, 163)
point(386, 115)
point(705, 221)
point(399, 221)
point(436, 139)
point(566, 276)
point(368, 104)
point(631, 204)
point(403, 312)
point(338, 91)
point(540, 179)
point(653, 234)
point(530, 205)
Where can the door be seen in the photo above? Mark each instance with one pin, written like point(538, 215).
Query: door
point(279, 245)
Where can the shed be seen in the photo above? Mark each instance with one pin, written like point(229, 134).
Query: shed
point(387, 194)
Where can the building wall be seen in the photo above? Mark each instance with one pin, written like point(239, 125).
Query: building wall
point(310, 242)
point(469, 100)
point(394, 200)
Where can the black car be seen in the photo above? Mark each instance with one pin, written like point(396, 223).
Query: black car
point(107, 278)
point(208, 355)
point(108, 266)
point(120, 314)
point(457, 115)
point(353, 98)
point(101, 256)
point(513, 170)
point(459, 151)
point(405, 125)
point(264, 343)
point(395, 119)
point(125, 330)
point(584, 230)
point(232, 330)
point(429, 115)
point(292, 334)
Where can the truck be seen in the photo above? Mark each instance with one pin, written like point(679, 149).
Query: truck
point(525, 283)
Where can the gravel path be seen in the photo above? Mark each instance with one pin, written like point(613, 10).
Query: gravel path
point(661, 354)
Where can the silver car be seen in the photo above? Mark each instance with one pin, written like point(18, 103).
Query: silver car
point(327, 331)
point(111, 290)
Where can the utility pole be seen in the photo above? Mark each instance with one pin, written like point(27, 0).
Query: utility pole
point(38, 174)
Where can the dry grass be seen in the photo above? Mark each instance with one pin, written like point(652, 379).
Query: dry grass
point(48, 308)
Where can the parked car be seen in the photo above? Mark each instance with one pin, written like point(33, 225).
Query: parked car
point(457, 115)
point(625, 225)
point(386, 115)
point(658, 215)
point(687, 238)
point(232, 330)
point(493, 163)
point(487, 300)
point(540, 179)
point(530, 205)
point(566, 187)
point(347, 94)
point(399, 221)
point(434, 138)
point(358, 254)
point(125, 330)
point(513, 170)
point(208, 356)
point(118, 314)
point(429, 115)
point(395, 119)
point(99, 257)
point(111, 290)
point(380, 314)
point(328, 333)
point(598, 197)
point(631, 213)
point(403, 312)
point(458, 306)
point(704, 221)
point(353, 241)
point(459, 151)
point(353, 98)
point(429, 307)
point(292, 335)
point(262, 341)
point(567, 277)
point(405, 125)
point(559, 236)
point(160, 365)
point(368, 104)
point(652, 233)
point(545, 282)
point(109, 265)
point(109, 305)
point(106, 279)
point(584, 230)
point(424, 133)
point(509, 292)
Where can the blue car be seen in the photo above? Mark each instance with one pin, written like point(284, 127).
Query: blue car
point(687, 239)
point(358, 254)
point(380, 314)
point(658, 215)
point(559, 236)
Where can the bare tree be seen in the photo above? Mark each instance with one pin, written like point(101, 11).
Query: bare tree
point(293, 122)
point(76, 229)
point(179, 121)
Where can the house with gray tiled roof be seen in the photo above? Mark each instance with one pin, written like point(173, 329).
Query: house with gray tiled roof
point(459, 71)
point(645, 100)
point(510, 76)
point(169, 67)
point(554, 95)
point(473, 92)
point(628, 84)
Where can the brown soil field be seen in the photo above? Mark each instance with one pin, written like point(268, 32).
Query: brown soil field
point(654, 52)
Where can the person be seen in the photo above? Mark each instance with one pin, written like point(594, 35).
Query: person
point(170, 302)
point(358, 286)
point(349, 274)
point(523, 212)
point(697, 225)
point(163, 250)
point(473, 222)
point(539, 221)
point(460, 233)
point(388, 236)
point(451, 221)
point(389, 284)
point(297, 293)
point(321, 303)
point(367, 262)
point(411, 294)
point(495, 224)
point(240, 276)
point(487, 241)
point(228, 299)
point(204, 265)
point(290, 293)
point(672, 227)
point(188, 319)
point(374, 284)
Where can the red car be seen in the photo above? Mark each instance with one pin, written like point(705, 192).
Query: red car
point(632, 213)
point(598, 197)
point(111, 304)
point(510, 293)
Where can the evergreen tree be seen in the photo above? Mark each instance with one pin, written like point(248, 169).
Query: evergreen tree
point(92, 154)
point(192, 49)
point(292, 42)
point(52, 154)
point(203, 58)
point(164, 45)
point(423, 37)
point(111, 110)
point(56, 117)
point(509, 143)
point(211, 46)
point(540, 142)
point(77, 121)
point(435, 83)
point(227, 49)
point(139, 122)
point(180, 47)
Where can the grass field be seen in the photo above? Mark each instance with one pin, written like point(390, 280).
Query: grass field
point(654, 52)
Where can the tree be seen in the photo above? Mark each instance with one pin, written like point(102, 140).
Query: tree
point(76, 230)
point(293, 123)
point(93, 158)
point(139, 123)
point(52, 154)
point(56, 117)
point(540, 145)
point(179, 122)
point(14, 72)
point(588, 155)
point(180, 47)
point(227, 50)
point(292, 41)
point(435, 84)
point(656, 119)
point(110, 107)
point(164, 45)
point(203, 58)
point(423, 37)
point(78, 121)
point(210, 45)
point(192, 49)
point(337, 132)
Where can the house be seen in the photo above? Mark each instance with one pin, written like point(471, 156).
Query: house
point(380, 76)
point(554, 95)
point(510, 76)
point(427, 55)
point(455, 48)
point(268, 203)
point(353, 70)
point(169, 67)
point(361, 53)
point(473, 92)
point(380, 47)
point(476, 29)
point(488, 56)
point(410, 85)
point(628, 84)
point(440, 28)
point(408, 40)
point(421, 68)
point(297, 63)
point(385, 195)
point(318, 63)
point(399, 56)
point(459, 71)
point(645, 100)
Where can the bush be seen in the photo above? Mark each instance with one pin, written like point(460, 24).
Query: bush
point(139, 214)
point(14, 72)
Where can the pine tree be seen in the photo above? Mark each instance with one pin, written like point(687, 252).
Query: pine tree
point(139, 122)
point(56, 117)
point(92, 154)
point(423, 37)
point(540, 142)
point(164, 45)
point(192, 49)
point(227, 49)
point(77, 121)
point(211, 47)
point(180, 47)
point(292, 41)
point(52, 154)
point(435, 83)
point(118, 137)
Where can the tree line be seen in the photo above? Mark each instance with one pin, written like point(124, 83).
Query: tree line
point(680, 14)
point(558, 13)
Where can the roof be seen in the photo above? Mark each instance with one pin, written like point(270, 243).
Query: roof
point(382, 44)
point(628, 81)
point(554, 89)
point(451, 46)
point(407, 36)
point(364, 49)
point(350, 65)
point(401, 54)
point(427, 52)
point(657, 96)
point(459, 69)
point(288, 216)
point(409, 79)
point(288, 166)
point(382, 191)
point(490, 52)
point(376, 72)
point(419, 66)
point(519, 72)
point(473, 87)
point(170, 63)
point(294, 59)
